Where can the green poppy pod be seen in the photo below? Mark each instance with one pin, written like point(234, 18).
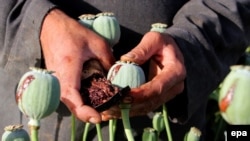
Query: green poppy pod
point(194, 134)
point(15, 133)
point(107, 26)
point(149, 134)
point(234, 96)
point(158, 122)
point(38, 94)
point(125, 73)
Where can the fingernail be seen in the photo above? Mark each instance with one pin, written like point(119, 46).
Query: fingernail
point(93, 120)
point(129, 55)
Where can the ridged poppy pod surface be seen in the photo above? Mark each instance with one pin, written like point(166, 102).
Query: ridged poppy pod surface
point(108, 27)
point(126, 73)
point(234, 96)
point(158, 122)
point(38, 94)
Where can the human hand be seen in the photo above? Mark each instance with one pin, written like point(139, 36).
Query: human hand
point(167, 71)
point(66, 46)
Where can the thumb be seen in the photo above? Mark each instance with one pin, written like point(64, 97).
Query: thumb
point(143, 51)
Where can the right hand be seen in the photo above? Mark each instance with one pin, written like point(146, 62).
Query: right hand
point(167, 74)
point(66, 46)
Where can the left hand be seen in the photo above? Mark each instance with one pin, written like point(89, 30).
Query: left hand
point(67, 46)
point(167, 71)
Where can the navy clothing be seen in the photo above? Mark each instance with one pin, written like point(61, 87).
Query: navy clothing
point(212, 35)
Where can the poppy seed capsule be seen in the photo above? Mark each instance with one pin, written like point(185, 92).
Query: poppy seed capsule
point(107, 26)
point(15, 133)
point(125, 73)
point(149, 134)
point(38, 94)
point(234, 96)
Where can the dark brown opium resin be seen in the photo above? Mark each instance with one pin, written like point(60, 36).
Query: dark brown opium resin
point(99, 92)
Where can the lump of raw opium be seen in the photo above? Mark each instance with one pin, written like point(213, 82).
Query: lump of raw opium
point(96, 90)
point(99, 93)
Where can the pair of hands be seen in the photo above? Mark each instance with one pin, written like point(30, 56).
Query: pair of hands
point(67, 45)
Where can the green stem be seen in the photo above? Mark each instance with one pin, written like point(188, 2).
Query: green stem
point(220, 129)
point(34, 125)
point(99, 132)
point(112, 129)
point(165, 115)
point(85, 132)
point(126, 123)
point(34, 133)
point(73, 129)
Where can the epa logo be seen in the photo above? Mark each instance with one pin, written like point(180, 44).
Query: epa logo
point(234, 135)
point(238, 133)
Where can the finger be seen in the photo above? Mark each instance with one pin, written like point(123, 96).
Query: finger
point(73, 101)
point(106, 58)
point(146, 91)
point(106, 117)
point(158, 85)
point(151, 104)
point(112, 112)
point(101, 51)
point(145, 49)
